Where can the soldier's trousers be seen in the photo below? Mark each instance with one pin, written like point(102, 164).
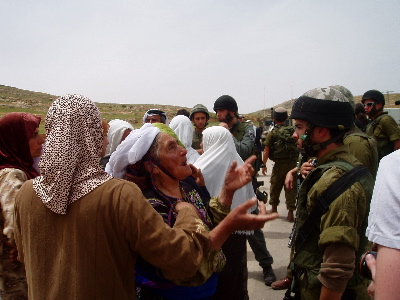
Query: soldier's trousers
point(279, 171)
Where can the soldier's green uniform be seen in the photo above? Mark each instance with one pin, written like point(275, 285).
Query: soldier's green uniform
point(344, 223)
point(197, 139)
point(198, 136)
point(285, 158)
point(243, 137)
point(326, 255)
point(385, 130)
point(363, 147)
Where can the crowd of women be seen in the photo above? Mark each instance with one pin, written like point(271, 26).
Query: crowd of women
point(81, 232)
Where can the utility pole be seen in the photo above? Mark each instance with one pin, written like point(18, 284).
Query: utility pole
point(264, 103)
point(388, 95)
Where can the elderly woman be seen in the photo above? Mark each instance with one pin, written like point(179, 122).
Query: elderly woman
point(154, 158)
point(20, 143)
point(219, 153)
point(183, 128)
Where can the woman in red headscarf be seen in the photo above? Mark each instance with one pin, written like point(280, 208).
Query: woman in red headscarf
point(20, 143)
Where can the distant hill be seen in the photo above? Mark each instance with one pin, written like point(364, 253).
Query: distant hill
point(14, 99)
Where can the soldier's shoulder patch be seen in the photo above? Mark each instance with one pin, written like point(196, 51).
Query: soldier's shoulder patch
point(252, 134)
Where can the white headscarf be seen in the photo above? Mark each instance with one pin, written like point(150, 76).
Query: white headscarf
point(69, 165)
point(219, 153)
point(131, 150)
point(184, 130)
point(115, 133)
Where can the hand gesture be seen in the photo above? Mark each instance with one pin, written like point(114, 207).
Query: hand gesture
point(237, 177)
point(198, 176)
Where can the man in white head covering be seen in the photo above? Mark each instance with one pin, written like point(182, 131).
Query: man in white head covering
point(155, 115)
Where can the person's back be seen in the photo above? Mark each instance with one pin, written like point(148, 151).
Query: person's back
point(363, 147)
point(90, 252)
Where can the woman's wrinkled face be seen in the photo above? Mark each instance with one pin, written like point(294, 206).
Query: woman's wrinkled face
point(172, 157)
point(35, 144)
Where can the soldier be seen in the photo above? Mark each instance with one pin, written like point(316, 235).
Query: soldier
point(243, 133)
point(383, 127)
point(199, 116)
point(361, 145)
point(333, 201)
point(280, 147)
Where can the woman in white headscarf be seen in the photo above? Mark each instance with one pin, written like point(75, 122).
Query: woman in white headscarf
point(219, 153)
point(117, 132)
point(184, 130)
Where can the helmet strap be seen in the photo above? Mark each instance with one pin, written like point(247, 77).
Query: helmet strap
point(310, 150)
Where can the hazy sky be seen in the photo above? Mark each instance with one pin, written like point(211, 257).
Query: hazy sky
point(188, 52)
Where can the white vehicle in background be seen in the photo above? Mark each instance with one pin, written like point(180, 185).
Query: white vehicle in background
point(394, 113)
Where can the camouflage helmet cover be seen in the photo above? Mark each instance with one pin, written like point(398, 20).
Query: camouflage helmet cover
point(345, 92)
point(324, 107)
point(199, 108)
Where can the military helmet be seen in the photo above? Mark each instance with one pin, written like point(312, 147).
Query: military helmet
point(199, 108)
point(345, 92)
point(375, 95)
point(280, 114)
point(324, 107)
point(225, 102)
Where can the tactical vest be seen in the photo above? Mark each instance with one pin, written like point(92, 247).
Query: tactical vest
point(284, 145)
point(384, 145)
point(307, 260)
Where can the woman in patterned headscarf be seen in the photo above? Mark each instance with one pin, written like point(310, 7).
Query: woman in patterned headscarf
point(20, 143)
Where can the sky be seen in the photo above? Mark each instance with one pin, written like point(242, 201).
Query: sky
point(188, 52)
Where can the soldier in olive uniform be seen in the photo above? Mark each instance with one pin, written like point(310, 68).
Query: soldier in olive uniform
point(383, 127)
point(362, 146)
point(243, 133)
point(325, 256)
point(281, 148)
point(199, 116)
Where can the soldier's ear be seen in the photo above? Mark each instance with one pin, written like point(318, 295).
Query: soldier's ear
point(320, 134)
